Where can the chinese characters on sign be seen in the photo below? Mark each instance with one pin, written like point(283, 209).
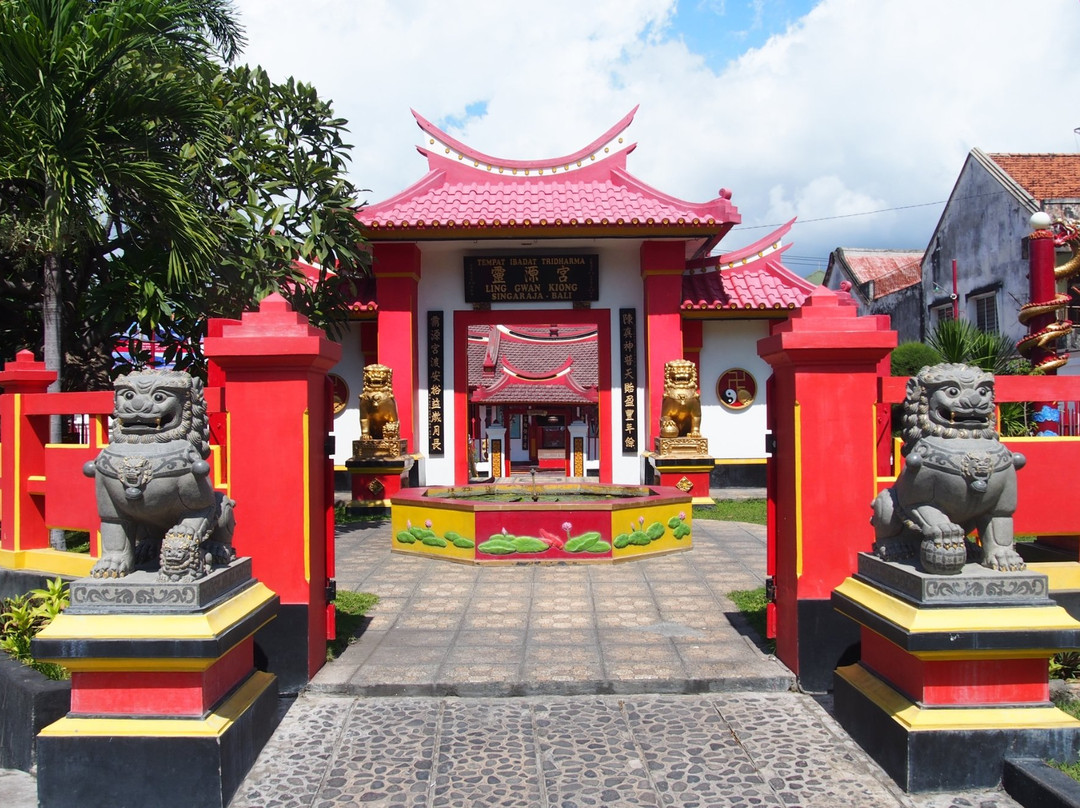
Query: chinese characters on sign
point(435, 383)
point(628, 351)
point(531, 278)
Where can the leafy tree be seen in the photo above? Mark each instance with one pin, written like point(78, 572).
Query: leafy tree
point(99, 97)
point(276, 192)
point(189, 212)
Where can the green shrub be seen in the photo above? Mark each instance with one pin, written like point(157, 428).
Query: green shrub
point(909, 358)
point(24, 616)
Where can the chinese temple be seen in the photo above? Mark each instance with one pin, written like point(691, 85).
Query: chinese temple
point(542, 298)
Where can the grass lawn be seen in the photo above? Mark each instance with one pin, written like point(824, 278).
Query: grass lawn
point(751, 602)
point(734, 510)
point(350, 608)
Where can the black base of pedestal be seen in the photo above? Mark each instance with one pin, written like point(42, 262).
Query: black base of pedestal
point(826, 640)
point(942, 759)
point(89, 764)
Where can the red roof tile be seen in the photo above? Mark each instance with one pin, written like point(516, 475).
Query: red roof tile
point(1044, 176)
point(749, 279)
point(590, 189)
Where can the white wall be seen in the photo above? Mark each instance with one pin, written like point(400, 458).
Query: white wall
point(730, 344)
point(351, 369)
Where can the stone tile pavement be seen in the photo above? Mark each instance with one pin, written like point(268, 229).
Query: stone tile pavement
point(636, 684)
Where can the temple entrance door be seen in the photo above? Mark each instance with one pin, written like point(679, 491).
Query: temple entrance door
point(538, 427)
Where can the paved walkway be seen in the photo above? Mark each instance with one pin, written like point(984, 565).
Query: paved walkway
point(635, 684)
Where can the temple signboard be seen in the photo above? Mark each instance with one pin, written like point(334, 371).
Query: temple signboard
point(531, 278)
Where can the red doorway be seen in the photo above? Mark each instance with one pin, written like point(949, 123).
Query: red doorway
point(463, 320)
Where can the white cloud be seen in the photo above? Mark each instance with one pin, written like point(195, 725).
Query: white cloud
point(856, 104)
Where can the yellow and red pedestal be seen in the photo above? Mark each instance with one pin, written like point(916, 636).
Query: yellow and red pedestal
point(375, 480)
point(953, 676)
point(688, 474)
point(167, 708)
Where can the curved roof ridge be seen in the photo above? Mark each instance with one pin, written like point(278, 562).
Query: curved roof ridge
point(529, 376)
point(626, 179)
point(479, 157)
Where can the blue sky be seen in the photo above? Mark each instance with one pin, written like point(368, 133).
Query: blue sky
point(853, 115)
point(722, 30)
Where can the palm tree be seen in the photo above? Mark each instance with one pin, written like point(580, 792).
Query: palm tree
point(961, 341)
point(99, 99)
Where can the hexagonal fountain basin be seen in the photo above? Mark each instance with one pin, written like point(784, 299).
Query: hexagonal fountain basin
point(553, 522)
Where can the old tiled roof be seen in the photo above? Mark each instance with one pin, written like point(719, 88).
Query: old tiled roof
point(1044, 176)
point(554, 364)
point(588, 192)
point(888, 270)
point(751, 279)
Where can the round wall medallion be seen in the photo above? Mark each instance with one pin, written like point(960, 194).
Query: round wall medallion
point(341, 393)
point(736, 389)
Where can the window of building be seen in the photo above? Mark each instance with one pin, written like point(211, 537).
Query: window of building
point(986, 318)
point(942, 313)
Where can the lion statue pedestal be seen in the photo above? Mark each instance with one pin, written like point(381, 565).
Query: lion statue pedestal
point(953, 670)
point(380, 457)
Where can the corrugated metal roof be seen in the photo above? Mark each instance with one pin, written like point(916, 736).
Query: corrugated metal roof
point(890, 270)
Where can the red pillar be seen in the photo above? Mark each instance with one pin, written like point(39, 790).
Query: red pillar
point(397, 276)
point(662, 265)
point(22, 455)
point(275, 367)
point(826, 362)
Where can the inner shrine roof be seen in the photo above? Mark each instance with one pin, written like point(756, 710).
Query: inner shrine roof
point(553, 364)
point(587, 193)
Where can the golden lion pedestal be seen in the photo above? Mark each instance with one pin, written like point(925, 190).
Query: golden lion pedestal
point(681, 453)
point(380, 458)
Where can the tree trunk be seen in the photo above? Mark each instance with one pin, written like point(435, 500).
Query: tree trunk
point(51, 315)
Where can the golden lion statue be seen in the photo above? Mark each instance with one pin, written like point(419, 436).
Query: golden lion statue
point(152, 480)
point(958, 476)
point(680, 414)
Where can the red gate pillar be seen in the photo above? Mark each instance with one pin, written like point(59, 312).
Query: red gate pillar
point(275, 366)
point(22, 455)
point(826, 361)
point(662, 265)
point(397, 276)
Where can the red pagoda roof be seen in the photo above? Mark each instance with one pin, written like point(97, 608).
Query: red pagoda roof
point(751, 280)
point(588, 193)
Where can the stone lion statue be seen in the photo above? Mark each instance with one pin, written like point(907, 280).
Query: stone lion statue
point(958, 476)
point(152, 480)
point(378, 410)
point(680, 413)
